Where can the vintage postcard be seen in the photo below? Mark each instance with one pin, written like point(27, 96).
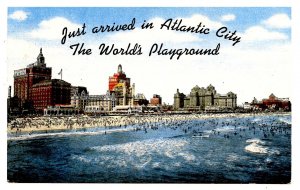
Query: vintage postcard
point(149, 95)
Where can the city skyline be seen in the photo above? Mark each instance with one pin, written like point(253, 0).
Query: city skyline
point(249, 68)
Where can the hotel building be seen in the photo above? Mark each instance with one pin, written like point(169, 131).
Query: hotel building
point(119, 85)
point(35, 89)
point(201, 99)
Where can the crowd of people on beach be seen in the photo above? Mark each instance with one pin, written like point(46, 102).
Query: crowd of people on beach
point(189, 123)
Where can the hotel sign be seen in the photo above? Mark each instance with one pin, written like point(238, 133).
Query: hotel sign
point(20, 72)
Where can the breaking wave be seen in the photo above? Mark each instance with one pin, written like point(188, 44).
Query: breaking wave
point(164, 146)
point(258, 146)
point(141, 154)
point(63, 134)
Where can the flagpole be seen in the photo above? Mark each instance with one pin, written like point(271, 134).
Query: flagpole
point(60, 73)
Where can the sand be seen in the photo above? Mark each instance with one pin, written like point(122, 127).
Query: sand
point(79, 122)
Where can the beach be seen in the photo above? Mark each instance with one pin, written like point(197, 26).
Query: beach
point(47, 123)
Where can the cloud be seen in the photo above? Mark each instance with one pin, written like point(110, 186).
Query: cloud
point(197, 18)
point(228, 17)
point(279, 21)
point(258, 33)
point(19, 15)
point(52, 29)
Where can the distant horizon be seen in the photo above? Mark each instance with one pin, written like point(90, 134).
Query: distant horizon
point(256, 67)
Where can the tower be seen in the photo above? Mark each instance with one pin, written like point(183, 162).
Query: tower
point(40, 58)
point(178, 100)
point(120, 68)
point(132, 93)
point(9, 92)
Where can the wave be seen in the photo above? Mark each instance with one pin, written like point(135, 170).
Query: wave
point(187, 156)
point(256, 141)
point(255, 120)
point(163, 146)
point(258, 146)
point(104, 160)
point(286, 120)
point(81, 158)
point(233, 157)
point(274, 151)
point(141, 154)
point(156, 165)
point(222, 129)
point(63, 134)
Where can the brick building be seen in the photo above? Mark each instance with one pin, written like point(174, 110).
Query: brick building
point(25, 78)
point(50, 93)
point(272, 103)
point(35, 90)
point(155, 100)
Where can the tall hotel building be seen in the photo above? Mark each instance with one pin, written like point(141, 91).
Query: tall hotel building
point(119, 77)
point(35, 89)
point(25, 78)
point(119, 85)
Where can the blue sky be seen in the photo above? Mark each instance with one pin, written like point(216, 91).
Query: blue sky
point(263, 54)
point(245, 17)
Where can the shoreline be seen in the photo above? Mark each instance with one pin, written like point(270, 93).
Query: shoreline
point(64, 123)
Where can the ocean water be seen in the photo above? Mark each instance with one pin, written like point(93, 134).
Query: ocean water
point(254, 149)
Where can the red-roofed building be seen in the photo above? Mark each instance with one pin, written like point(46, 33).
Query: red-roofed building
point(276, 103)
